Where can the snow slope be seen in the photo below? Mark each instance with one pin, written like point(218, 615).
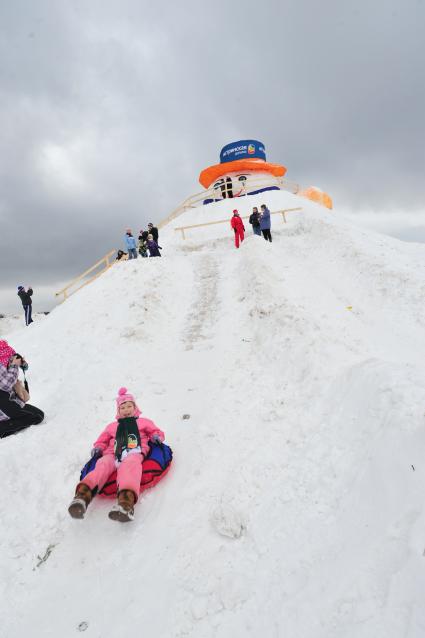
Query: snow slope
point(295, 505)
point(12, 323)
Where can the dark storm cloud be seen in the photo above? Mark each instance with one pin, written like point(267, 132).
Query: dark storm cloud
point(110, 110)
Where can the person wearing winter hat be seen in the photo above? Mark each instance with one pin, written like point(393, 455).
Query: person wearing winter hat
point(238, 228)
point(25, 297)
point(15, 413)
point(143, 246)
point(153, 230)
point(265, 223)
point(153, 247)
point(122, 445)
point(130, 243)
point(254, 220)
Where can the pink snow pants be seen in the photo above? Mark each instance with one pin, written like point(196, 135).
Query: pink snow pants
point(129, 473)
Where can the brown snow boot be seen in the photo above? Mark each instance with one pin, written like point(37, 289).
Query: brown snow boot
point(80, 502)
point(123, 511)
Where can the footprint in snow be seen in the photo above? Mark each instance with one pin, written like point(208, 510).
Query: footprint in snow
point(228, 522)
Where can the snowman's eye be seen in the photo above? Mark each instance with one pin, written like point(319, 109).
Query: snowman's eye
point(219, 183)
point(242, 178)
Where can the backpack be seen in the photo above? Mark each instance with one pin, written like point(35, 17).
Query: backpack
point(155, 467)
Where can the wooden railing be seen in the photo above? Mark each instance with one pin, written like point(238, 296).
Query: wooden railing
point(67, 291)
point(226, 221)
point(213, 193)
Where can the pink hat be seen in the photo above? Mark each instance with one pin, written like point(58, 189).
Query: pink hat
point(123, 396)
point(6, 352)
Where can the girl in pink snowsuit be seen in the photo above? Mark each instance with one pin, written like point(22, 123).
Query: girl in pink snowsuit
point(122, 445)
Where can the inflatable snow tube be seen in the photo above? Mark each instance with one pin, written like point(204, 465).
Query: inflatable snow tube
point(155, 467)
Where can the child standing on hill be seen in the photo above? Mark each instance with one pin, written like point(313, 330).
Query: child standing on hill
point(143, 249)
point(153, 247)
point(130, 243)
point(123, 444)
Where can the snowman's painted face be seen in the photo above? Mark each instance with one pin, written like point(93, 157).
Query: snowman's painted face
point(237, 184)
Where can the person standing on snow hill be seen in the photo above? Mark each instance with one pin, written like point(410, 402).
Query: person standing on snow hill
point(25, 297)
point(123, 444)
point(130, 244)
point(153, 231)
point(143, 238)
point(265, 223)
point(153, 247)
point(254, 220)
point(238, 227)
point(14, 414)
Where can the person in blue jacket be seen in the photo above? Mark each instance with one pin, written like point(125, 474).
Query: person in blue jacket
point(265, 223)
point(130, 244)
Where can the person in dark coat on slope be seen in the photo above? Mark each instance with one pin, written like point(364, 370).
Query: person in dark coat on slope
point(254, 220)
point(238, 228)
point(25, 297)
point(265, 223)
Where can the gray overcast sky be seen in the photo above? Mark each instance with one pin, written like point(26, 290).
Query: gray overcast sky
point(109, 110)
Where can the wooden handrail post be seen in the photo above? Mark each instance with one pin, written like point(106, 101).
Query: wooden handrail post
point(226, 221)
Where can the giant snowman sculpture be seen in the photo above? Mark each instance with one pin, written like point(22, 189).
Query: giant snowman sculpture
point(244, 170)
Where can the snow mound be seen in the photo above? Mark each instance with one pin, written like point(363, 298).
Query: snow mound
point(295, 503)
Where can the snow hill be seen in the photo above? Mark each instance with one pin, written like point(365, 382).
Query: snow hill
point(295, 504)
point(11, 323)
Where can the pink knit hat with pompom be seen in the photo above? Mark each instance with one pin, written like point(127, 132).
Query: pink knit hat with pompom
point(6, 352)
point(123, 396)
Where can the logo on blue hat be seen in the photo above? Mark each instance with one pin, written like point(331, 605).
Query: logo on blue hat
point(242, 149)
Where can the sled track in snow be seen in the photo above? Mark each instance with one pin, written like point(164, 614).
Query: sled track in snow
point(203, 310)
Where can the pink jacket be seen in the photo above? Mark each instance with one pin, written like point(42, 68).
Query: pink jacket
point(147, 429)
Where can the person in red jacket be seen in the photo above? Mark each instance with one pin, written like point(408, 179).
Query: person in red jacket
point(238, 227)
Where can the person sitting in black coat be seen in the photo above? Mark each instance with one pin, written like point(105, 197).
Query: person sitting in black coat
point(16, 413)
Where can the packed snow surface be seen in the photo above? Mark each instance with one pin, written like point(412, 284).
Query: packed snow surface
point(289, 380)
